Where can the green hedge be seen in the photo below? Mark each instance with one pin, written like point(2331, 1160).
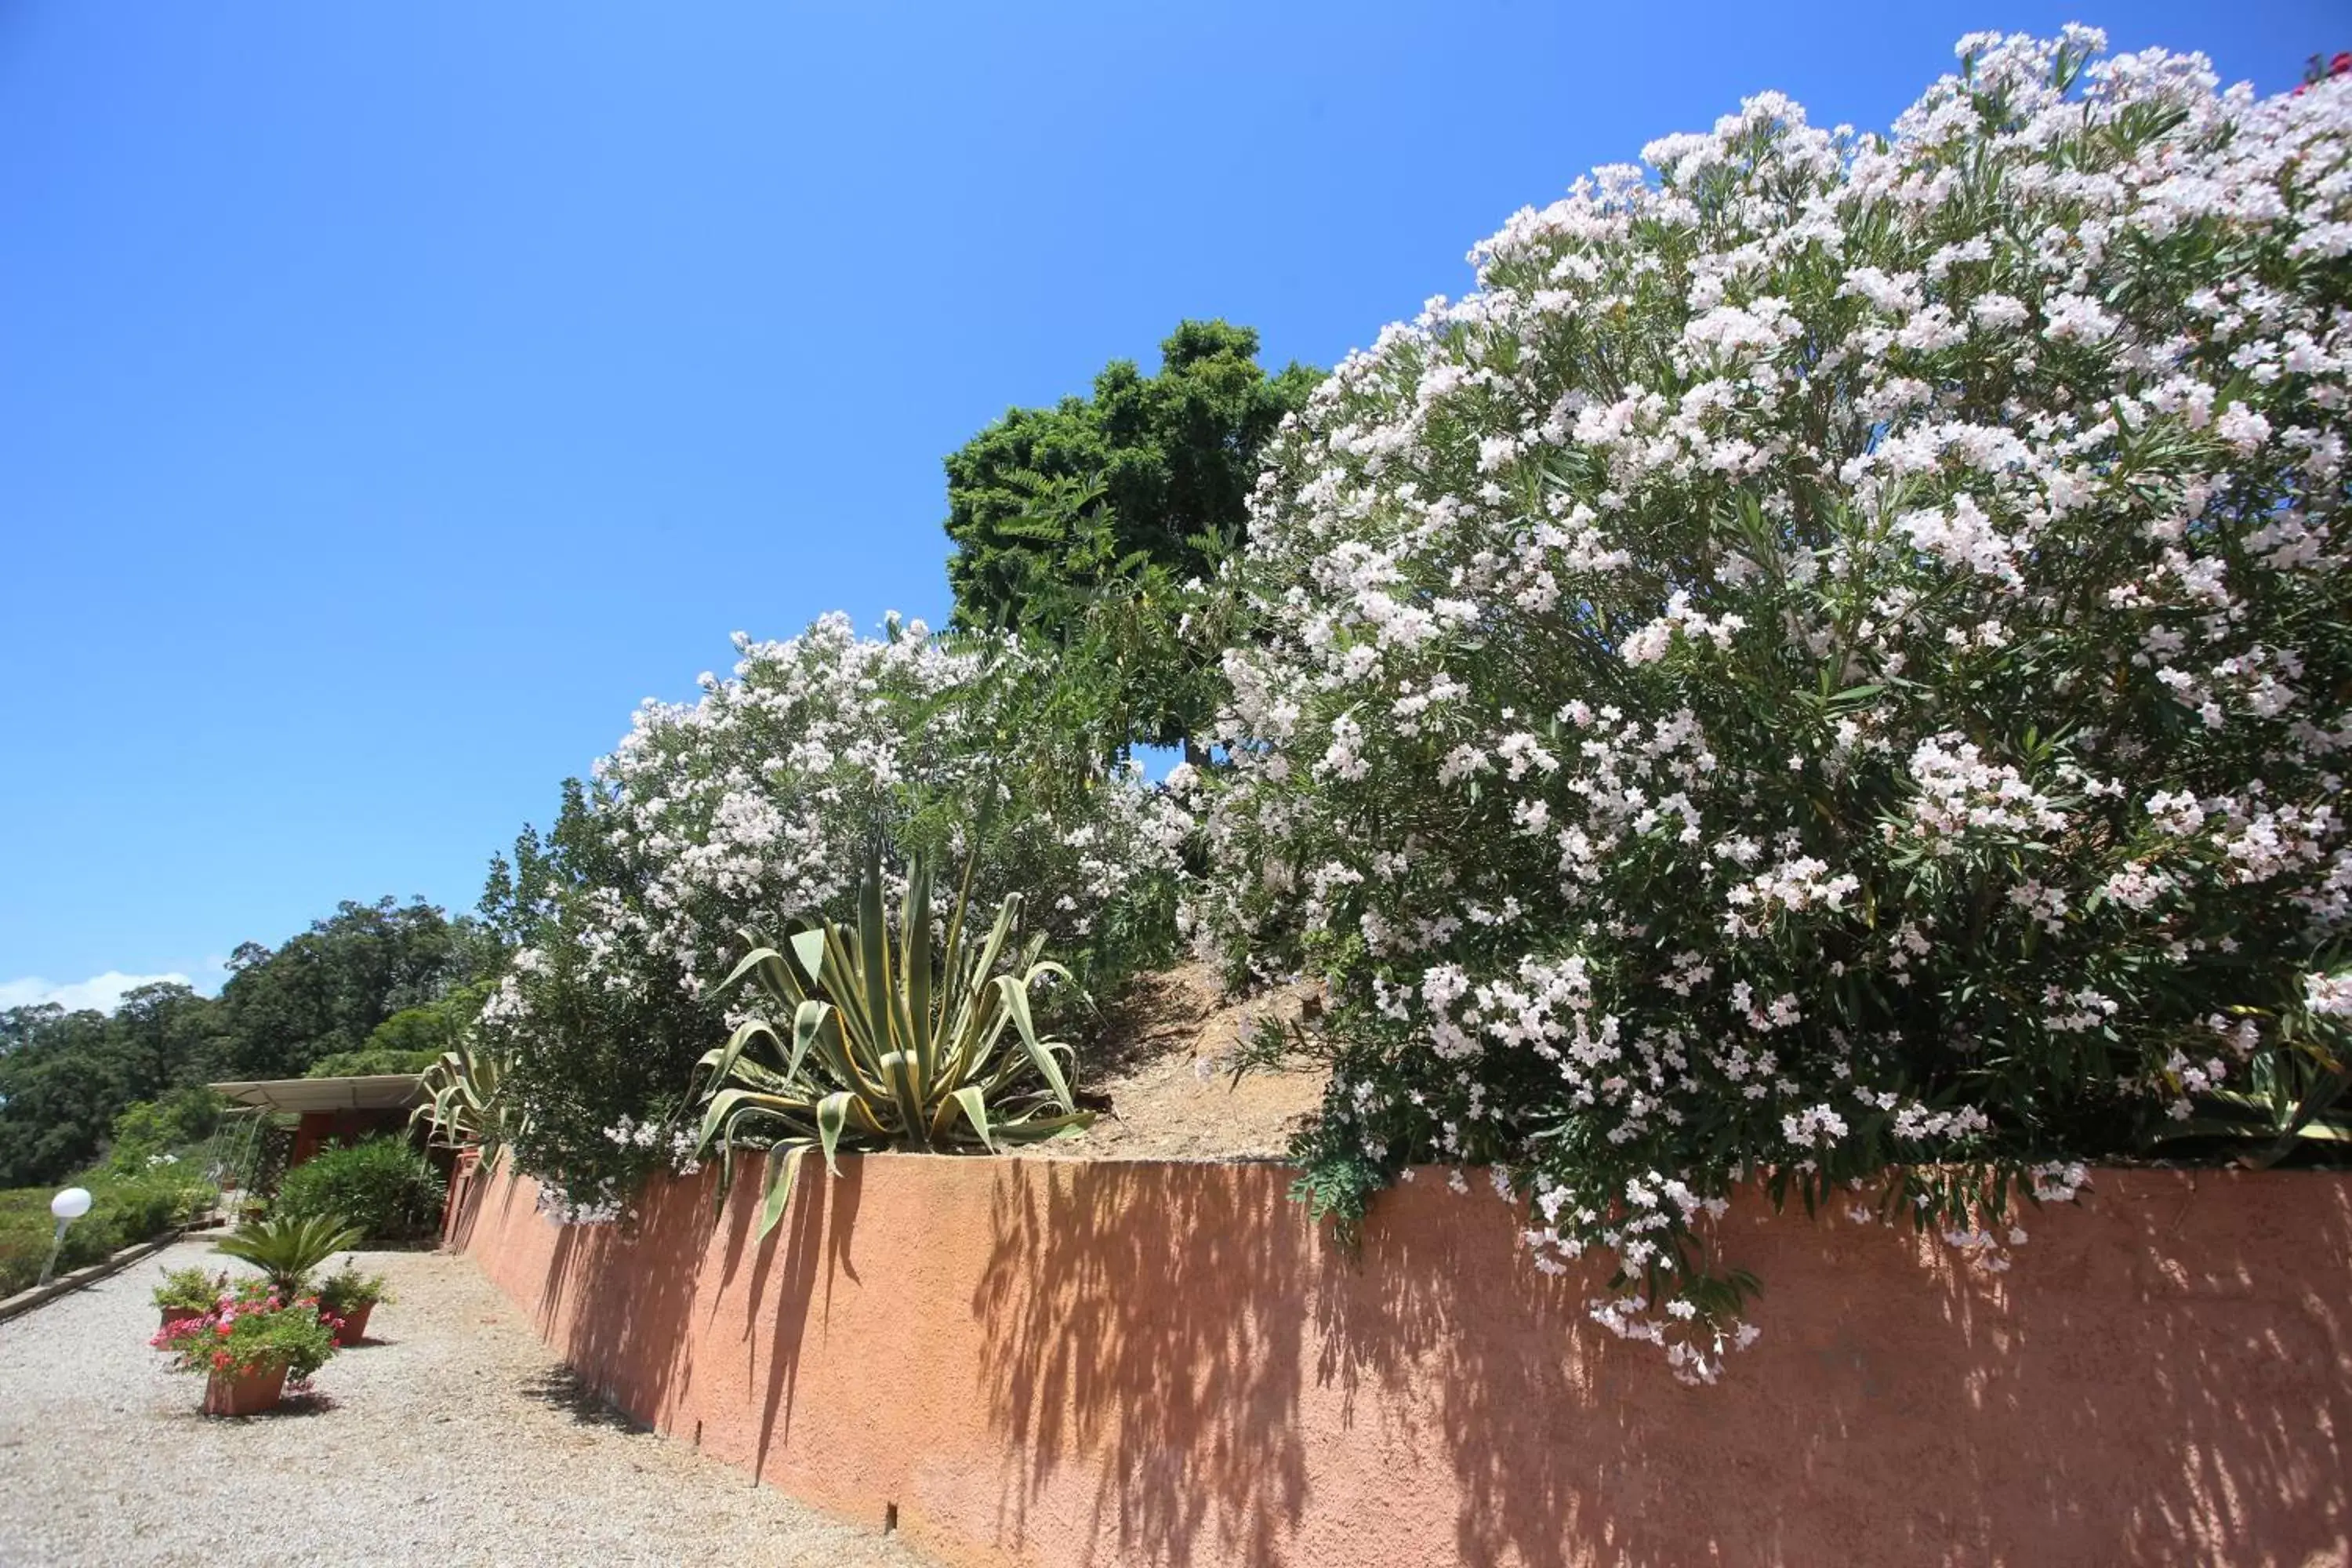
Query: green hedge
point(382, 1184)
point(124, 1210)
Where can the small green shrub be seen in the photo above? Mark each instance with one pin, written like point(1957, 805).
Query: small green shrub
point(190, 1290)
point(382, 1185)
point(346, 1290)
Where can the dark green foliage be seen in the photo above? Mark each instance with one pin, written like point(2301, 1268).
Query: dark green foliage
point(412, 1038)
point(382, 1185)
point(150, 1128)
point(371, 1063)
point(592, 1049)
point(65, 1077)
point(1081, 524)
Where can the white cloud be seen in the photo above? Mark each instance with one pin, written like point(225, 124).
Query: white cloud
point(104, 992)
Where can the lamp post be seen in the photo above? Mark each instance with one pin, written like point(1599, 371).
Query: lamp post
point(69, 1207)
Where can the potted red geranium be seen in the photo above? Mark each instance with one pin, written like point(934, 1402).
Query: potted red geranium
point(250, 1346)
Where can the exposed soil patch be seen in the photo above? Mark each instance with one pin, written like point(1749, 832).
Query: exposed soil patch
point(1161, 1074)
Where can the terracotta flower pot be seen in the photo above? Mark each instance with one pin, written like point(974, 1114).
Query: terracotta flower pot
point(354, 1327)
point(245, 1393)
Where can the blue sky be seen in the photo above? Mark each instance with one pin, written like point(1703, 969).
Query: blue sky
point(391, 396)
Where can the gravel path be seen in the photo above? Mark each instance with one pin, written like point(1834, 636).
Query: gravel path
point(452, 1436)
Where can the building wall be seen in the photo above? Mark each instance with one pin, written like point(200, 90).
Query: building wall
point(1060, 1362)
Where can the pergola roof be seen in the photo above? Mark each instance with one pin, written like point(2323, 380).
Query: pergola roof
point(377, 1091)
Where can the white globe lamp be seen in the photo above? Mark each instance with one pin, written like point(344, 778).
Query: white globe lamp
point(67, 1206)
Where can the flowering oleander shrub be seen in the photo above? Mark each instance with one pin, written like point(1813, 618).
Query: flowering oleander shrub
point(753, 806)
point(252, 1327)
point(1831, 664)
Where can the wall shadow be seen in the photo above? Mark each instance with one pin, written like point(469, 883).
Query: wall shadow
point(783, 1278)
point(1174, 1366)
point(632, 1291)
point(1141, 1325)
point(2158, 1378)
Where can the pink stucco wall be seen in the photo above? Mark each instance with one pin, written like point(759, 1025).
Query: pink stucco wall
point(1052, 1362)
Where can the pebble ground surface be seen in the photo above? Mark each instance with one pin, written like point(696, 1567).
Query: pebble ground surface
point(451, 1436)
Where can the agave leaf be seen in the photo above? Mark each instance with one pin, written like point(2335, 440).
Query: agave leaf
point(729, 1103)
point(975, 1111)
point(728, 1054)
point(980, 1016)
point(1016, 1003)
point(831, 1114)
point(1044, 1129)
point(915, 933)
point(750, 960)
point(985, 964)
point(954, 949)
point(784, 1172)
point(808, 946)
point(758, 1075)
point(806, 1022)
point(841, 980)
point(874, 953)
point(898, 1070)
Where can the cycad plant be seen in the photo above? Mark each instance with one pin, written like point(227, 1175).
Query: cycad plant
point(288, 1249)
point(875, 1041)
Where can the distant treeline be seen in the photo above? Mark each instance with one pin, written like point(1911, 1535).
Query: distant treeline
point(377, 986)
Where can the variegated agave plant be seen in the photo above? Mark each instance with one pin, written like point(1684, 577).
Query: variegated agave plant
point(872, 1039)
point(464, 1110)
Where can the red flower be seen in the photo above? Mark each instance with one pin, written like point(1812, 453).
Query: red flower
point(220, 1360)
point(221, 1328)
point(2341, 63)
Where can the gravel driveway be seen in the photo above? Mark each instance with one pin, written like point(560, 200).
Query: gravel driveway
point(452, 1436)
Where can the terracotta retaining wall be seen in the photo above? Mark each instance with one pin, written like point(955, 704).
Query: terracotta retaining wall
point(1057, 1362)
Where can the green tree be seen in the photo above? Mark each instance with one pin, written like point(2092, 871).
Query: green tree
point(1084, 524)
point(65, 1077)
point(327, 990)
point(150, 1127)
